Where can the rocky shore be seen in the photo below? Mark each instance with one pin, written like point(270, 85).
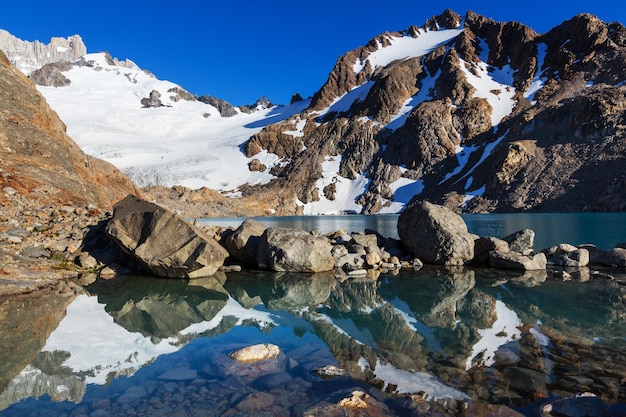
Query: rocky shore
point(52, 249)
point(40, 246)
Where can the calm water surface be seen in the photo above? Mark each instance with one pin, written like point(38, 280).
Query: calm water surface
point(604, 230)
point(145, 346)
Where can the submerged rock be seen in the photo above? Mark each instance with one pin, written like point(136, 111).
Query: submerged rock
point(256, 353)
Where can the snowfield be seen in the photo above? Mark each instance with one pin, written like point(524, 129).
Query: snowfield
point(182, 143)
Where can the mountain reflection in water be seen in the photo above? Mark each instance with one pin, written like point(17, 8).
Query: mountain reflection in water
point(137, 345)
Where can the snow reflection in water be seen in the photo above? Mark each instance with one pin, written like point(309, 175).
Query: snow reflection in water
point(137, 341)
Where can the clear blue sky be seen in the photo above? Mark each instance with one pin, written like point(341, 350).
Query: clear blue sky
point(239, 51)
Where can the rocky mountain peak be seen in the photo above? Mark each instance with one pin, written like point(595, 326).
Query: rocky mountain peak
point(28, 56)
point(490, 117)
point(446, 20)
point(261, 104)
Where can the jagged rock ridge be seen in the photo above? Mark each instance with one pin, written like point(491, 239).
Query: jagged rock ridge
point(28, 56)
point(490, 117)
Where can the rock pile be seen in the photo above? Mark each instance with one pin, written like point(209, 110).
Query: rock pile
point(40, 245)
point(80, 239)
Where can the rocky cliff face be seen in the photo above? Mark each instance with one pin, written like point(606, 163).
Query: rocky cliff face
point(29, 56)
point(39, 161)
point(476, 114)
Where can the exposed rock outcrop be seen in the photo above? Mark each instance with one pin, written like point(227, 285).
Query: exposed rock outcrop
point(28, 56)
point(39, 160)
point(51, 75)
point(537, 141)
point(162, 242)
point(153, 100)
point(225, 108)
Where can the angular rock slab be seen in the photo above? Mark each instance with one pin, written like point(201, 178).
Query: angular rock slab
point(521, 241)
point(435, 234)
point(515, 260)
point(164, 243)
point(292, 250)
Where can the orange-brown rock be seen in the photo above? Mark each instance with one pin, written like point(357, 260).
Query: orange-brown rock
point(40, 160)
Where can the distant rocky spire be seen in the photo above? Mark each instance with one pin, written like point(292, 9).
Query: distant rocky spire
point(29, 56)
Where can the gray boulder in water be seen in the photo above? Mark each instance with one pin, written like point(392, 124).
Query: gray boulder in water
point(435, 234)
point(292, 250)
point(162, 242)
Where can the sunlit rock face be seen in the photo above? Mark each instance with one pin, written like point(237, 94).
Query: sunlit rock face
point(164, 243)
point(41, 162)
point(435, 234)
point(289, 250)
point(472, 113)
point(480, 116)
point(28, 56)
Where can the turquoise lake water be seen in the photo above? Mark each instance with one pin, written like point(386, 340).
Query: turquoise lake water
point(604, 230)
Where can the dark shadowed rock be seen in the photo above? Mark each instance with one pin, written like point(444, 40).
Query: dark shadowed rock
point(521, 241)
point(243, 243)
point(567, 256)
point(582, 405)
point(597, 256)
point(162, 242)
point(435, 234)
point(617, 257)
point(284, 249)
point(484, 245)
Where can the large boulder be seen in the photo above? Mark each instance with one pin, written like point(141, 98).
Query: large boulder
point(292, 250)
point(243, 243)
point(617, 257)
point(162, 242)
point(435, 234)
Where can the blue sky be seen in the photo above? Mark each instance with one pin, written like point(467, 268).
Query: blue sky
point(240, 51)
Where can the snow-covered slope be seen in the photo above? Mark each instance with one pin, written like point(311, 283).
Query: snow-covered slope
point(184, 142)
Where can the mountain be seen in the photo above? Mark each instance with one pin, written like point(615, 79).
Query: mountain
point(39, 161)
point(478, 115)
point(155, 131)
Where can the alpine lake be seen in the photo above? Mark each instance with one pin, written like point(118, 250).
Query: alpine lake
point(423, 342)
